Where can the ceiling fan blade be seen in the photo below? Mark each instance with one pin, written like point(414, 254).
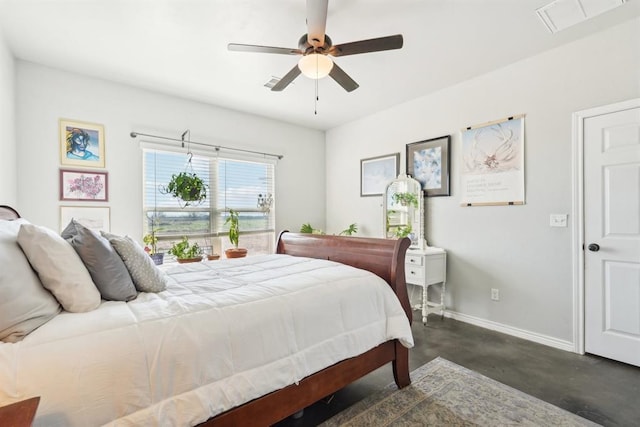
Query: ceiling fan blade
point(316, 21)
point(364, 46)
point(263, 49)
point(343, 78)
point(287, 79)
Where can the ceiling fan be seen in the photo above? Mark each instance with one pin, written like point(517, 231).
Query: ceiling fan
point(316, 47)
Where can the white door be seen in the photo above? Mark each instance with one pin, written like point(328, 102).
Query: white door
point(612, 233)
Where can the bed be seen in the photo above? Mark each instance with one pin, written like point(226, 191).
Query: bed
point(233, 342)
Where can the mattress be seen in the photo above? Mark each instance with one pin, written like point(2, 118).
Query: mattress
point(223, 333)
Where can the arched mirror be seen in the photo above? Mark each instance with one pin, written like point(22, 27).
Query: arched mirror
point(404, 211)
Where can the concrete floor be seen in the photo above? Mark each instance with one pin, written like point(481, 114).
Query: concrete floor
point(601, 390)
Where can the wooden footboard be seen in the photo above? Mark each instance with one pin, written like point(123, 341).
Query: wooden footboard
point(383, 257)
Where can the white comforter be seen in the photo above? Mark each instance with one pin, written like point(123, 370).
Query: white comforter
point(223, 333)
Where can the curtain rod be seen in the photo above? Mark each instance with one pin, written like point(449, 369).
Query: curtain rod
point(215, 147)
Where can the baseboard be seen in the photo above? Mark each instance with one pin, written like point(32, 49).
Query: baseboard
point(509, 330)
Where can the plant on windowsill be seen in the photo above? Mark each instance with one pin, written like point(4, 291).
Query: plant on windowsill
point(209, 251)
point(151, 242)
point(187, 187)
point(234, 236)
point(185, 251)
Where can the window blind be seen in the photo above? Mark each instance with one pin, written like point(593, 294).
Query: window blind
point(232, 184)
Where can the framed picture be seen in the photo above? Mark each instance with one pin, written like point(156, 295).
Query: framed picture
point(84, 185)
point(428, 163)
point(376, 172)
point(81, 144)
point(95, 218)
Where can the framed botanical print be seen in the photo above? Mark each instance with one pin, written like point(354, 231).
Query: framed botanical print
point(84, 185)
point(492, 166)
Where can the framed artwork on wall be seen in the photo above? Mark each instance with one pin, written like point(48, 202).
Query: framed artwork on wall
point(95, 218)
point(81, 144)
point(76, 185)
point(377, 172)
point(492, 167)
point(428, 163)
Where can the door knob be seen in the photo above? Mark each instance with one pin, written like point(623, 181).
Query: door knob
point(594, 247)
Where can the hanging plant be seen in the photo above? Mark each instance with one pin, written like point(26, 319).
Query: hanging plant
point(187, 187)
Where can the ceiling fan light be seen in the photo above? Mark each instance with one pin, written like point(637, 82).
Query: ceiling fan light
point(315, 65)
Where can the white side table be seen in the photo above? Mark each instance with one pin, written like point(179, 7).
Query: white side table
point(424, 268)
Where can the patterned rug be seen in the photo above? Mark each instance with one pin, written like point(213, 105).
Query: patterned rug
point(445, 394)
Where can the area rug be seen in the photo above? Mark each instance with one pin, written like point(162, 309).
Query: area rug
point(445, 394)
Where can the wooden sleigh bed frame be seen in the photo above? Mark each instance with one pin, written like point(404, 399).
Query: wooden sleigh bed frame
point(383, 257)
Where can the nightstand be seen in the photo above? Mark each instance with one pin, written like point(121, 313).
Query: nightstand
point(427, 267)
point(19, 414)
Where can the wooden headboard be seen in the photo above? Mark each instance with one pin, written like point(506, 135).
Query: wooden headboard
point(383, 257)
point(8, 213)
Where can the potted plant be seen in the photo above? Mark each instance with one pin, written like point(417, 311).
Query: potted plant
point(185, 251)
point(405, 199)
point(209, 251)
point(353, 229)
point(308, 228)
point(151, 241)
point(234, 235)
point(188, 187)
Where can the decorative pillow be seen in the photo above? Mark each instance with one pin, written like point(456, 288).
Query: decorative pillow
point(59, 267)
point(146, 276)
point(105, 266)
point(24, 304)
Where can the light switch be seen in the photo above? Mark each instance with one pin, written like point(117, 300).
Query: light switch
point(558, 220)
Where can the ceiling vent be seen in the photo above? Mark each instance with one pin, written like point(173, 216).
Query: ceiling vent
point(271, 83)
point(561, 14)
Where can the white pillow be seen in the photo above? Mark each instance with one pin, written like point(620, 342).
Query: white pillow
point(24, 304)
point(60, 268)
point(146, 276)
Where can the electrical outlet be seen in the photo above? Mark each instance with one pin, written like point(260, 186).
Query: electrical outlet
point(495, 294)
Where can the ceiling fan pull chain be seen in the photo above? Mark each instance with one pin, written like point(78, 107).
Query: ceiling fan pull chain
point(315, 103)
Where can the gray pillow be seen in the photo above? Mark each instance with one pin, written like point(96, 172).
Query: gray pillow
point(105, 266)
point(146, 276)
point(24, 304)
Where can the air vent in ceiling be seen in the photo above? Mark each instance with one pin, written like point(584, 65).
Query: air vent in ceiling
point(561, 14)
point(271, 83)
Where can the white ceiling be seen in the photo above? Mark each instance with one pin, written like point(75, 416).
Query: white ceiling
point(179, 47)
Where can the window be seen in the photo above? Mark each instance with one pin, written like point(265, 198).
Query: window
point(233, 184)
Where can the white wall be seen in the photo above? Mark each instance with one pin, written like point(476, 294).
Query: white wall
point(510, 248)
point(45, 95)
point(8, 179)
